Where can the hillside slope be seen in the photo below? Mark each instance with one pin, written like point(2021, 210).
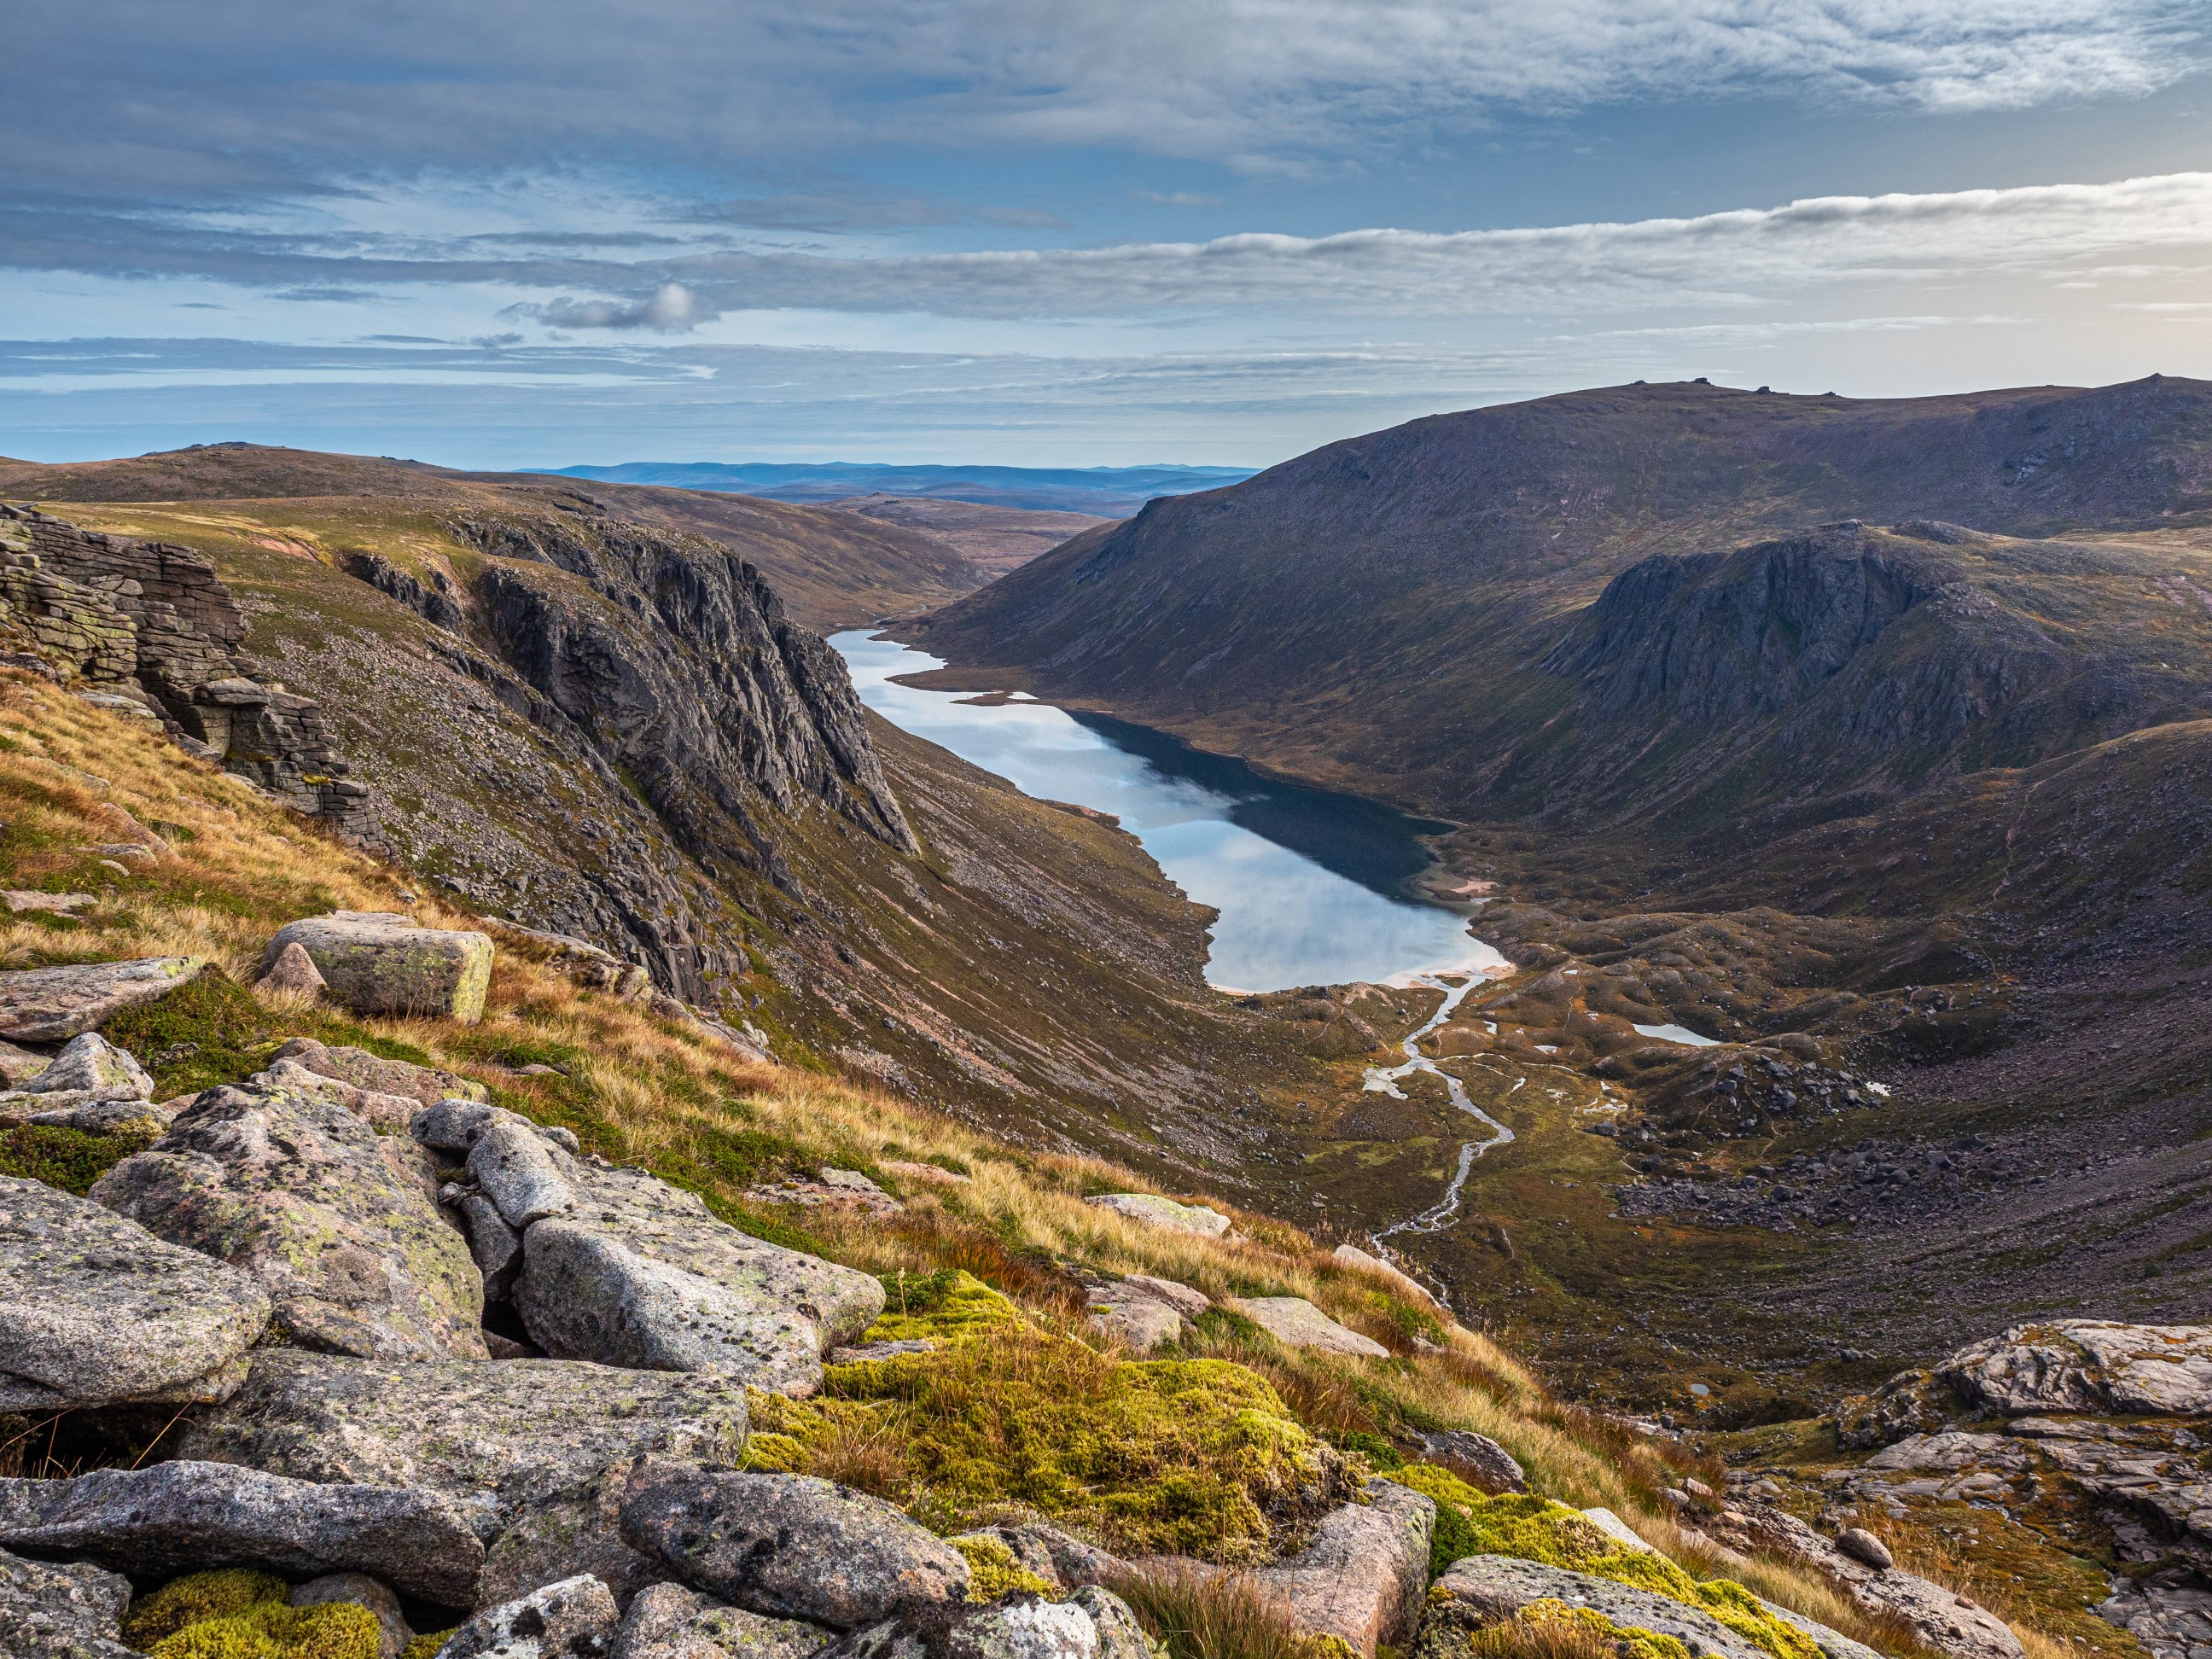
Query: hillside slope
point(1378, 614)
point(833, 570)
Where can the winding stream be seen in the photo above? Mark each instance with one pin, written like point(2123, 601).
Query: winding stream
point(1445, 1210)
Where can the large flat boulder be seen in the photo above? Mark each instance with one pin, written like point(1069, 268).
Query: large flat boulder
point(426, 1084)
point(379, 963)
point(640, 1273)
point(1157, 1212)
point(1483, 1591)
point(1297, 1323)
point(790, 1546)
point(1361, 1578)
point(2088, 1364)
point(71, 1611)
point(96, 1310)
point(503, 1436)
point(179, 1517)
point(49, 1005)
point(304, 1196)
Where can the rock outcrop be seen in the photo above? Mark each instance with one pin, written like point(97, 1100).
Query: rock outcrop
point(155, 619)
point(789, 1545)
point(1482, 1591)
point(96, 1310)
point(424, 1085)
point(669, 1621)
point(1297, 1323)
point(502, 1437)
point(48, 1004)
point(574, 1618)
point(302, 1193)
point(380, 964)
point(1157, 1212)
point(183, 1516)
point(61, 1612)
point(1362, 1578)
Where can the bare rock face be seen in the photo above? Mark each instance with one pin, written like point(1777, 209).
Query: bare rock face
point(1297, 1323)
point(575, 1619)
point(47, 1005)
point(641, 1273)
point(503, 1437)
point(2088, 1364)
point(179, 1517)
point(379, 963)
point(1361, 1578)
point(95, 1309)
point(72, 1612)
point(1485, 1590)
point(390, 1113)
point(577, 1533)
point(1092, 1625)
point(789, 1545)
point(671, 1622)
point(301, 1194)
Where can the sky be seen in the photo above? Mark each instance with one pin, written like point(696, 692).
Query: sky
point(1067, 232)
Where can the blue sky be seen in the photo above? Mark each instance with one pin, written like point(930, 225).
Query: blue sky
point(1072, 232)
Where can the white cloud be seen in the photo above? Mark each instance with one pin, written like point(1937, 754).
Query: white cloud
point(1739, 259)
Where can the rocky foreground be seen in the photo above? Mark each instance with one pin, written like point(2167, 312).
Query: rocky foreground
point(410, 1373)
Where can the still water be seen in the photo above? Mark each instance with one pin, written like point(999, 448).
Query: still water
point(1308, 882)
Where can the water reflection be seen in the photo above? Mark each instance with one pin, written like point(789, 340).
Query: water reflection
point(1306, 882)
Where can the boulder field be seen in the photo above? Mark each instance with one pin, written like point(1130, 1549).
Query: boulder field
point(309, 1285)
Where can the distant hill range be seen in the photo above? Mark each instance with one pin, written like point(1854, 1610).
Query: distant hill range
point(1106, 492)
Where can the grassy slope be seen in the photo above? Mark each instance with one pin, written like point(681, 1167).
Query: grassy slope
point(834, 569)
point(641, 1090)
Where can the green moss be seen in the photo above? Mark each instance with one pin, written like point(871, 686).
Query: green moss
point(270, 1630)
point(214, 1031)
point(198, 1596)
point(994, 1572)
point(945, 1305)
point(71, 1159)
point(425, 1647)
point(1537, 1529)
point(1628, 1641)
point(1191, 1457)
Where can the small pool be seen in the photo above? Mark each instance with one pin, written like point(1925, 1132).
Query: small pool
point(1681, 1034)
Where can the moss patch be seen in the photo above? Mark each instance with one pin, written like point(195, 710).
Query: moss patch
point(1537, 1529)
point(948, 1304)
point(993, 1571)
point(271, 1630)
point(1192, 1457)
point(195, 1597)
point(1626, 1640)
point(213, 1031)
point(71, 1159)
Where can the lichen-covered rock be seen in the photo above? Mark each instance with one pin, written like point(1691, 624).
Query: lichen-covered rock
point(575, 1619)
point(91, 1114)
point(789, 1545)
point(61, 1612)
point(563, 1536)
point(1157, 1212)
point(47, 1005)
point(362, 1591)
point(301, 1194)
point(1911, 1402)
point(95, 1309)
point(294, 970)
point(1131, 1316)
point(19, 1065)
point(496, 1247)
point(426, 1084)
point(180, 1517)
point(1483, 1591)
point(380, 964)
point(1062, 1562)
point(1093, 1625)
point(641, 1273)
point(91, 1065)
point(669, 1621)
point(1352, 1256)
point(503, 1437)
point(1360, 1580)
point(512, 1166)
point(389, 1113)
point(1494, 1468)
point(1297, 1323)
point(2088, 1364)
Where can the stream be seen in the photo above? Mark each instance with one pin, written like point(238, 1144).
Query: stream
point(1445, 1210)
